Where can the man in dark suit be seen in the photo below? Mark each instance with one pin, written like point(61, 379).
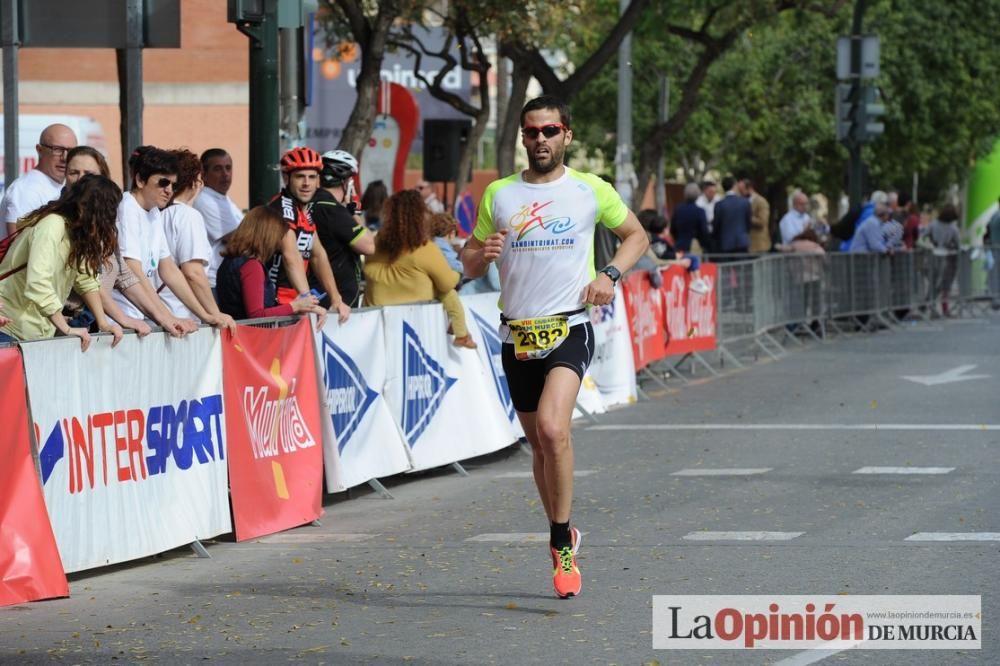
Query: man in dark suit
point(731, 227)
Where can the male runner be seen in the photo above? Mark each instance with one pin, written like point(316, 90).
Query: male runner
point(539, 227)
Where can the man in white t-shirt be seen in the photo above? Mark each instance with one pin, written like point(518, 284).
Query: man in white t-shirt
point(797, 219)
point(538, 225)
point(43, 183)
point(220, 213)
point(707, 200)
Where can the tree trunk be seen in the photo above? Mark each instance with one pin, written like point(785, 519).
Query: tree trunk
point(509, 126)
point(359, 126)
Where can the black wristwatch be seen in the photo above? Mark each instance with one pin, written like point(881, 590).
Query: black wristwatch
point(612, 273)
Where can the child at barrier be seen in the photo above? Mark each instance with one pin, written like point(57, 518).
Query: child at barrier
point(241, 282)
point(408, 267)
point(662, 251)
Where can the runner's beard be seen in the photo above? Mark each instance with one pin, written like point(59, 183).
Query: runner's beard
point(546, 163)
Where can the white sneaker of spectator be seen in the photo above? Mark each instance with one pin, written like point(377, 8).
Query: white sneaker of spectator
point(700, 286)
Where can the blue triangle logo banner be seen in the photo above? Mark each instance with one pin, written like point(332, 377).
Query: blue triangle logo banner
point(424, 386)
point(347, 392)
point(493, 347)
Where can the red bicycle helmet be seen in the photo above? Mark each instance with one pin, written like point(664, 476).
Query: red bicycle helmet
point(301, 158)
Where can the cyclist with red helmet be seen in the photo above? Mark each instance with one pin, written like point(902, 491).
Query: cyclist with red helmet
point(300, 169)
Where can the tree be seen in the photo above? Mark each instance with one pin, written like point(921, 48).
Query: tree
point(369, 25)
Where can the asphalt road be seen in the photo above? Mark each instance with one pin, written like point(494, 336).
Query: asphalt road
point(418, 580)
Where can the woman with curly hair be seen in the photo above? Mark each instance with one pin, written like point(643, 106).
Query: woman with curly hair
point(408, 267)
point(60, 246)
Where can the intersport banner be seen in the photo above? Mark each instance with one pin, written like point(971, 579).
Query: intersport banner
point(353, 362)
point(273, 421)
point(690, 316)
point(30, 568)
point(442, 397)
point(131, 444)
point(612, 368)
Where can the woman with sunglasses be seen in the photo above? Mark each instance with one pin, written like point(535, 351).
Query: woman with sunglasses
point(144, 244)
point(60, 246)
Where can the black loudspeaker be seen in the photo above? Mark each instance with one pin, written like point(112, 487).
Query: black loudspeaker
point(443, 142)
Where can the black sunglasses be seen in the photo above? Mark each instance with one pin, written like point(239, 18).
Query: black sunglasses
point(548, 131)
point(164, 183)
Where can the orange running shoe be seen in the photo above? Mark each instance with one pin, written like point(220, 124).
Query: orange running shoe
point(566, 578)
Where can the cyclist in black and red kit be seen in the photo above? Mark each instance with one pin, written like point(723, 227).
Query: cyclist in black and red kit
point(300, 168)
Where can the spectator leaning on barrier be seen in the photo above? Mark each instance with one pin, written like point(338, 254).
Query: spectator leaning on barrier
point(81, 161)
point(547, 282)
point(144, 245)
point(243, 288)
point(58, 246)
point(869, 237)
point(408, 267)
point(187, 240)
point(662, 252)
point(43, 183)
point(688, 223)
point(220, 214)
point(341, 231)
point(733, 217)
point(300, 170)
point(372, 202)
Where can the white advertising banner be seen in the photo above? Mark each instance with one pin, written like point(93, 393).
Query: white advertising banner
point(613, 367)
point(441, 396)
point(483, 315)
point(131, 444)
point(368, 443)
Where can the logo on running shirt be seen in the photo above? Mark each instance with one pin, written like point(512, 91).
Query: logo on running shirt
point(347, 392)
point(493, 348)
point(424, 386)
point(533, 217)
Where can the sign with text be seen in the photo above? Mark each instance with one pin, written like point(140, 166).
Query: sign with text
point(273, 418)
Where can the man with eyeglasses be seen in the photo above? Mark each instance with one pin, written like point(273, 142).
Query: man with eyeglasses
point(538, 225)
point(431, 200)
point(43, 183)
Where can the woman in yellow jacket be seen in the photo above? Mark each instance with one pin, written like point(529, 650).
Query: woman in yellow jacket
point(58, 247)
point(408, 266)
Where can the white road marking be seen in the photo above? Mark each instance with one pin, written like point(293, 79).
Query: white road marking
point(512, 537)
point(742, 536)
point(985, 427)
point(528, 474)
point(954, 536)
point(903, 470)
point(946, 377)
point(731, 471)
point(318, 537)
point(812, 656)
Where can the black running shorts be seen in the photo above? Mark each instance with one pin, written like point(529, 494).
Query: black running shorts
point(526, 379)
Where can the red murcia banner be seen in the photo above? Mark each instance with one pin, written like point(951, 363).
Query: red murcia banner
point(30, 567)
point(273, 427)
point(672, 319)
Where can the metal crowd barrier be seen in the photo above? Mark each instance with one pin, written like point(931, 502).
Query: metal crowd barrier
point(767, 298)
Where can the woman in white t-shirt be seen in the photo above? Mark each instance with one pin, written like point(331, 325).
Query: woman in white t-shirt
point(187, 238)
point(142, 240)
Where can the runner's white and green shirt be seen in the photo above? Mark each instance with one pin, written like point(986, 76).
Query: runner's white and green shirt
point(548, 255)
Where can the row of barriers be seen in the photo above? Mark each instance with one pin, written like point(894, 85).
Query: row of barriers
point(770, 298)
point(117, 454)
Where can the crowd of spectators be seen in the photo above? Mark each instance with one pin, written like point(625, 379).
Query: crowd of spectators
point(175, 251)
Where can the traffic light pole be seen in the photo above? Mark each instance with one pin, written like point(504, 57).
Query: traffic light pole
point(264, 98)
point(855, 186)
